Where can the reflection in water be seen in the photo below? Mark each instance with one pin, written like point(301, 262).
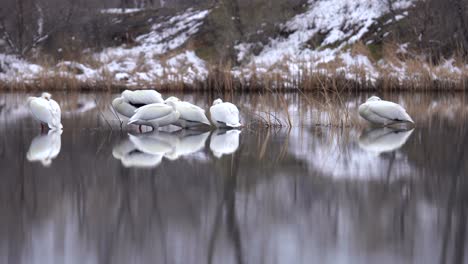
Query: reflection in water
point(148, 149)
point(144, 150)
point(154, 142)
point(342, 158)
point(309, 195)
point(384, 139)
point(224, 142)
point(131, 156)
point(188, 142)
point(45, 148)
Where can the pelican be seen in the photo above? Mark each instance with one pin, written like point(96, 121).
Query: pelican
point(224, 114)
point(46, 110)
point(188, 144)
point(386, 139)
point(155, 115)
point(380, 112)
point(45, 148)
point(129, 101)
point(190, 115)
point(224, 142)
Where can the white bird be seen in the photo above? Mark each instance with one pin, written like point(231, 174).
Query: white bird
point(129, 101)
point(188, 144)
point(190, 115)
point(224, 142)
point(46, 110)
point(380, 112)
point(45, 148)
point(386, 139)
point(155, 115)
point(224, 114)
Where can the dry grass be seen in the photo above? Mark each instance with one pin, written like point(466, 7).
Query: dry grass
point(397, 70)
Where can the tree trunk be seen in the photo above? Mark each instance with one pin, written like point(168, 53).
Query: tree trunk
point(463, 27)
point(20, 25)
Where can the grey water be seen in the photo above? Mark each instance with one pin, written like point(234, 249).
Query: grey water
point(101, 192)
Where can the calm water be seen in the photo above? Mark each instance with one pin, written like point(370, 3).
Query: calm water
point(312, 194)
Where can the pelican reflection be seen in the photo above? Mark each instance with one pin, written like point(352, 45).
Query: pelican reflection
point(188, 142)
point(45, 147)
point(224, 142)
point(380, 140)
point(130, 156)
point(144, 150)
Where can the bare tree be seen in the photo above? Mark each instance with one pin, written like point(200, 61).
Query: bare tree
point(33, 22)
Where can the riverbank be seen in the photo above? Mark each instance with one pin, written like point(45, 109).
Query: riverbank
point(327, 45)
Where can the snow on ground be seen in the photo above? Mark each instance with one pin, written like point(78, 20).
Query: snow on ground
point(120, 10)
point(146, 61)
point(159, 56)
point(13, 69)
point(339, 22)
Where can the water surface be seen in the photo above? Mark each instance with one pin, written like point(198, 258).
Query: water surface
point(97, 193)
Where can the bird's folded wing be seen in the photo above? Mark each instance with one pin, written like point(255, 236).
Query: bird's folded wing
point(153, 111)
point(142, 97)
point(41, 110)
point(192, 113)
point(389, 111)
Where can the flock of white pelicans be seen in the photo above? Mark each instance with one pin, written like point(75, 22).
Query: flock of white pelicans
point(148, 108)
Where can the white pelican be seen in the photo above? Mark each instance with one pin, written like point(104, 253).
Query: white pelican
point(380, 112)
point(45, 148)
point(155, 115)
point(129, 101)
point(46, 110)
point(380, 140)
point(224, 114)
point(224, 142)
point(190, 115)
point(188, 144)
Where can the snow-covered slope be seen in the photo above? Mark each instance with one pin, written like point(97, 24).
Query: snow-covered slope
point(328, 37)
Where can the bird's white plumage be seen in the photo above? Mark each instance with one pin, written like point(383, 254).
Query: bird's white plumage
point(380, 140)
point(142, 96)
point(129, 101)
point(381, 112)
point(224, 114)
point(224, 142)
point(155, 115)
point(46, 110)
point(123, 107)
point(190, 115)
point(45, 148)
